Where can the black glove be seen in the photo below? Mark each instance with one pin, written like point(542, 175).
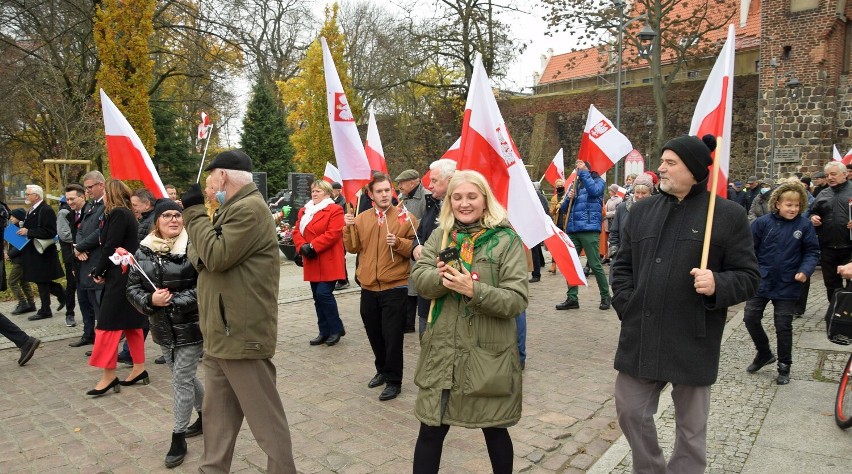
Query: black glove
point(192, 196)
point(307, 251)
point(298, 261)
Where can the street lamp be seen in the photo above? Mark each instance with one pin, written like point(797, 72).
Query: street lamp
point(646, 36)
point(649, 125)
point(793, 84)
point(773, 63)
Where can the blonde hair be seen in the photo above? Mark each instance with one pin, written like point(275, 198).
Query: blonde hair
point(494, 213)
point(323, 186)
point(789, 186)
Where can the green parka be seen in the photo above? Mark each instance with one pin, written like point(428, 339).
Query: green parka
point(469, 371)
point(238, 265)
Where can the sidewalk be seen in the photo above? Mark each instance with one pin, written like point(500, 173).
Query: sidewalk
point(338, 424)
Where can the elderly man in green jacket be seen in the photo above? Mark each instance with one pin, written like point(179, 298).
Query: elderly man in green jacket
point(238, 266)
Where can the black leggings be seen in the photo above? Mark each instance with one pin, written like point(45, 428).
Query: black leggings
point(430, 443)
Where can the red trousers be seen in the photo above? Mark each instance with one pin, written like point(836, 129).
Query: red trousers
point(105, 352)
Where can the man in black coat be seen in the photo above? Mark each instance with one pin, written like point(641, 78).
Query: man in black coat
point(829, 213)
point(87, 249)
point(672, 312)
point(41, 268)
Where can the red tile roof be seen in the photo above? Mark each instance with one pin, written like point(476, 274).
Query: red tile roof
point(593, 61)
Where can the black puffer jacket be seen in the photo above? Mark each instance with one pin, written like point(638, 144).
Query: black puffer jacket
point(176, 324)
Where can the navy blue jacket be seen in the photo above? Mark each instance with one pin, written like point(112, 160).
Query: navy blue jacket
point(587, 209)
point(783, 248)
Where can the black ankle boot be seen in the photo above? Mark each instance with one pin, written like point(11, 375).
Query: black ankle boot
point(783, 374)
point(177, 451)
point(195, 429)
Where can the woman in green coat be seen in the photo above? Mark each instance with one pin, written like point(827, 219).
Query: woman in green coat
point(469, 373)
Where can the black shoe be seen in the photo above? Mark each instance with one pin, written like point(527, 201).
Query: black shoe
point(795, 315)
point(125, 359)
point(523, 365)
point(333, 339)
point(61, 305)
point(535, 279)
point(587, 271)
point(160, 360)
point(177, 451)
point(82, 342)
point(69, 321)
point(783, 374)
point(377, 380)
point(23, 307)
point(318, 340)
point(88, 353)
point(390, 392)
point(28, 349)
point(568, 304)
point(142, 377)
point(40, 315)
point(605, 303)
point(341, 286)
point(195, 429)
point(115, 385)
point(759, 362)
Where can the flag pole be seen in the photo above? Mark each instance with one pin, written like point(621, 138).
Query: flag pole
point(711, 209)
point(203, 155)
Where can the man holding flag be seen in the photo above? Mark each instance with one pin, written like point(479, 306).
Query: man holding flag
point(583, 208)
point(672, 312)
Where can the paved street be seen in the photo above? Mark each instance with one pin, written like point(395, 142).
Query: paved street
point(339, 425)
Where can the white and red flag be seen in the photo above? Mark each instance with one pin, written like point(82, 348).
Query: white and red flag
point(487, 147)
point(835, 155)
point(602, 144)
point(128, 158)
point(204, 126)
point(713, 112)
point(451, 154)
point(331, 174)
point(348, 149)
point(621, 192)
point(373, 146)
point(556, 169)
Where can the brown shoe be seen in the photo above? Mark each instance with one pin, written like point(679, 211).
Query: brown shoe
point(552, 268)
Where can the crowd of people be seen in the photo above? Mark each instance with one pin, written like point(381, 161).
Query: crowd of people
point(200, 274)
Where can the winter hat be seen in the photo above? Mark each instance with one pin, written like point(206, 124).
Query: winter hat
point(336, 185)
point(644, 180)
point(231, 160)
point(613, 188)
point(408, 175)
point(164, 205)
point(654, 178)
point(19, 213)
point(694, 152)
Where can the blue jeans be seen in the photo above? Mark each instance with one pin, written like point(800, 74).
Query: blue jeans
point(521, 321)
point(328, 318)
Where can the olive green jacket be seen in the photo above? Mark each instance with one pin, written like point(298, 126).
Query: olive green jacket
point(238, 265)
point(469, 357)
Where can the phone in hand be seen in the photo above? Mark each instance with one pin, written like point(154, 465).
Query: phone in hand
point(450, 256)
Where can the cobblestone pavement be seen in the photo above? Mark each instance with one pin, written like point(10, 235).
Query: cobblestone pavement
point(337, 423)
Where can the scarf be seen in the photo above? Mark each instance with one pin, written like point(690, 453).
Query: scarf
point(175, 246)
point(310, 210)
point(466, 238)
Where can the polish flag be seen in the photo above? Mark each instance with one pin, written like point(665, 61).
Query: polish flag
point(332, 174)
point(602, 144)
point(571, 178)
point(373, 146)
point(556, 169)
point(835, 155)
point(451, 154)
point(128, 158)
point(204, 126)
point(847, 158)
point(486, 146)
point(713, 112)
point(621, 192)
point(348, 150)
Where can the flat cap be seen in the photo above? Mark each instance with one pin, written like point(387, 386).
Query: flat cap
point(407, 175)
point(231, 160)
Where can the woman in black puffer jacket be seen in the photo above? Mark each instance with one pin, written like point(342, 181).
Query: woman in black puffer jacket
point(172, 311)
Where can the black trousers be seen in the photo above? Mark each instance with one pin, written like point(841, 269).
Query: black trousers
point(410, 313)
point(430, 444)
point(12, 332)
point(44, 292)
point(383, 314)
point(830, 259)
point(70, 278)
point(537, 260)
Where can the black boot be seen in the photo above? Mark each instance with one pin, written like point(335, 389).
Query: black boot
point(783, 374)
point(759, 362)
point(177, 451)
point(195, 429)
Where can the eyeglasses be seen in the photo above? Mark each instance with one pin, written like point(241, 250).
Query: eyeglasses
point(89, 188)
point(168, 217)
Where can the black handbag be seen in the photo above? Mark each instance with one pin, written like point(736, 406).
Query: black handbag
point(838, 317)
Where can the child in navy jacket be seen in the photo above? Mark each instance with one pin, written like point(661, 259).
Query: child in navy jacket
point(787, 251)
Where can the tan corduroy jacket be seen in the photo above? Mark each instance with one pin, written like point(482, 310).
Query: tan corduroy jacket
point(366, 237)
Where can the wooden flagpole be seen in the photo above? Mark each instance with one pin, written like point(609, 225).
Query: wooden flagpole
point(711, 208)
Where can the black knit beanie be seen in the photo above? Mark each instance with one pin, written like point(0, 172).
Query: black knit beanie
point(694, 152)
point(20, 214)
point(164, 205)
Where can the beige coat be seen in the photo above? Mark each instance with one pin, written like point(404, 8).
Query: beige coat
point(469, 357)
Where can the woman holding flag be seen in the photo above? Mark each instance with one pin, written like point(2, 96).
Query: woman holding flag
point(318, 234)
point(469, 371)
point(118, 235)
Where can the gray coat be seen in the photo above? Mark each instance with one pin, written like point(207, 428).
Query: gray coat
point(88, 240)
point(668, 331)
